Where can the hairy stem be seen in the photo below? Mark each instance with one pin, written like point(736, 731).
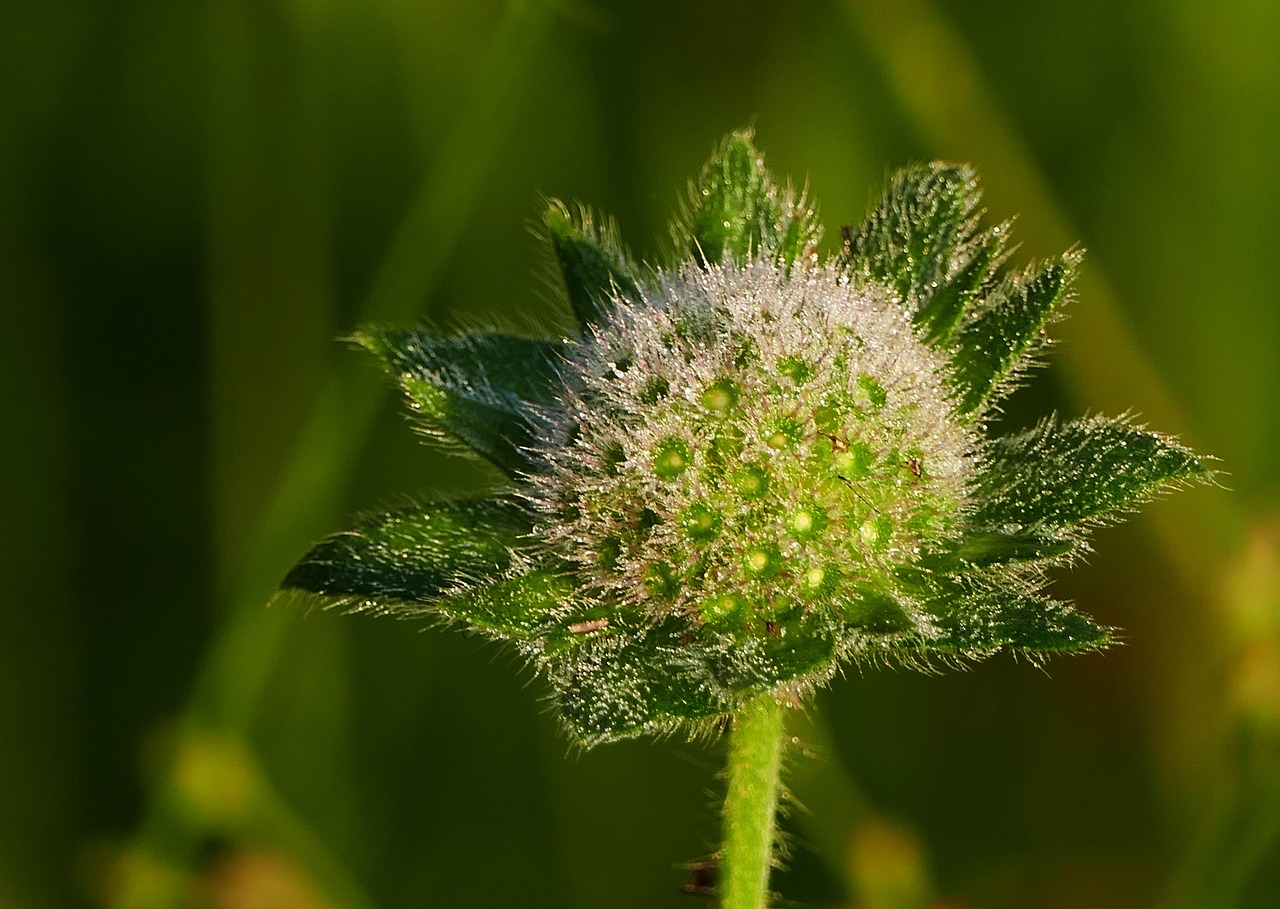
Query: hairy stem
point(751, 804)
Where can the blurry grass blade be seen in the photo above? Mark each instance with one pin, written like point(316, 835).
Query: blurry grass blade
point(1056, 475)
point(988, 349)
point(735, 210)
point(595, 267)
point(476, 389)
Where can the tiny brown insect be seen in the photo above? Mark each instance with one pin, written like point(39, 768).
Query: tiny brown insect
point(838, 443)
point(702, 877)
point(771, 627)
point(589, 626)
point(913, 465)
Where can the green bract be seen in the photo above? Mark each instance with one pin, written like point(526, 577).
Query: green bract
point(753, 464)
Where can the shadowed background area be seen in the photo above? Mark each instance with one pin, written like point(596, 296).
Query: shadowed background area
point(196, 199)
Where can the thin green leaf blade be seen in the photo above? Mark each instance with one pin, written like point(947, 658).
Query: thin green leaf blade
point(475, 390)
point(1056, 475)
point(988, 350)
point(595, 268)
point(451, 558)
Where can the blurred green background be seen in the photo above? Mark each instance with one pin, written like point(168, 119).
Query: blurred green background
point(196, 199)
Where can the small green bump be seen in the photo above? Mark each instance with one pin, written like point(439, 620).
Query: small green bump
point(662, 581)
point(818, 580)
point(877, 397)
point(701, 522)
point(784, 433)
point(829, 418)
point(875, 532)
point(672, 458)
point(855, 461)
point(721, 396)
point(797, 369)
point(807, 521)
point(752, 482)
point(655, 390)
point(725, 606)
point(762, 562)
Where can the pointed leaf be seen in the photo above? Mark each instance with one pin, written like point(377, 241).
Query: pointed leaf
point(988, 547)
point(922, 240)
point(735, 210)
point(1055, 475)
point(473, 389)
point(997, 620)
point(801, 649)
point(522, 607)
point(619, 683)
point(939, 313)
point(447, 558)
point(593, 264)
point(988, 349)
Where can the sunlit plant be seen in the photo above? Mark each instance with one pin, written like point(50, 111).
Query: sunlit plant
point(750, 467)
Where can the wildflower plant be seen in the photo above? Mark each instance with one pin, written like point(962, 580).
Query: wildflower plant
point(751, 467)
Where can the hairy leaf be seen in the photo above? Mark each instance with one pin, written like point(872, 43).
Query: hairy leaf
point(410, 561)
point(475, 390)
point(788, 651)
point(987, 547)
point(1055, 475)
point(997, 620)
point(922, 240)
point(988, 348)
point(619, 683)
point(736, 210)
point(593, 264)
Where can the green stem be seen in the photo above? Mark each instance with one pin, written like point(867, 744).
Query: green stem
point(751, 804)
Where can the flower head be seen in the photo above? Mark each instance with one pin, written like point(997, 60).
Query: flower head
point(752, 464)
point(745, 445)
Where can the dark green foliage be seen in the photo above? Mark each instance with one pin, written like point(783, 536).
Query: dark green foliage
point(988, 347)
point(922, 240)
point(982, 623)
point(476, 390)
point(414, 555)
point(627, 682)
point(1056, 475)
point(592, 263)
point(980, 548)
point(451, 559)
point(735, 210)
